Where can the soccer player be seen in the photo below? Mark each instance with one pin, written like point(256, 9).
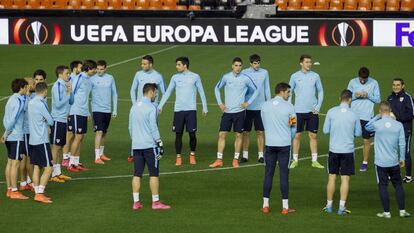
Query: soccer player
point(147, 75)
point(279, 120)
point(343, 125)
point(305, 83)
point(403, 109)
point(187, 84)
point(76, 69)
point(26, 168)
point(235, 86)
point(62, 99)
point(79, 113)
point(389, 135)
point(39, 76)
point(13, 136)
point(146, 145)
point(365, 94)
point(261, 77)
point(103, 88)
point(39, 122)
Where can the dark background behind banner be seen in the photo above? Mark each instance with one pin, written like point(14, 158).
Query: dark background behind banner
point(184, 31)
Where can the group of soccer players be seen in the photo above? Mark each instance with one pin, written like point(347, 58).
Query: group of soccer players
point(38, 139)
point(247, 101)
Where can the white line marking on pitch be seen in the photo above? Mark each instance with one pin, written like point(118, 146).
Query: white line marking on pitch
point(120, 63)
point(189, 171)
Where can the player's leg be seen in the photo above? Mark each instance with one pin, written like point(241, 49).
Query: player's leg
point(408, 164)
point(59, 143)
point(178, 128)
point(258, 126)
point(301, 118)
point(248, 124)
point(28, 165)
point(312, 126)
point(238, 128)
point(283, 158)
point(23, 173)
point(333, 171)
point(7, 175)
point(45, 161)
point(81, 125)
point(346, 170)
point(366, 147)
point(191, 127)
point(395, 177)
point(14, 170)
point(153, 170)
point(382, 180)
point(97, 125)
point(107, 121)
point(225, 127)
point(139, 164)
point(270, 165)
point(69, 140)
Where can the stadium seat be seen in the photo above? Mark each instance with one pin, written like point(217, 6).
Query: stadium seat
point(350, 5)
point(45, 4)
point(322, 5)
point(194, 8)
point(336, 5)
point(392, 5)
point(74, 4)
point(142, 4)
point(172, 4)
point(155, 4)
point(101, 4)
point(282, 4)
point(378, 5)
point(308, 4)
point(114, 4)
point(88, 4)
point(294, 5)
point(33, 4)
point(19, 4)
point(6, 3)
point(128, 4)
point(181, 7)
point(365, 5)
point(60, 4)
point(407, 5)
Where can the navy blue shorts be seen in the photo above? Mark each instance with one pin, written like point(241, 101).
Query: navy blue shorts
point(253, 116)
point(26, 138)
point(233, 119)
point(58, 133)
point(145, 156)
point(15, 149)
point(365, 133)
point(385, 174)
point(78, 124)
point(42, 155)
point(187, 118)
point(101, 121)
point(341, 164)
point(308, 122)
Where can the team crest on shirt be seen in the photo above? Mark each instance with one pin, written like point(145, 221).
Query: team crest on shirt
point(343, 110)
point(95, 127)
point(70, 127)
point(275, 102)
point(401, 99)
point(80, 130)
point(57, 140)
point(387, 124)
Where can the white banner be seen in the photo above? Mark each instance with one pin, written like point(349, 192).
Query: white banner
point(393, 33)
point(4, 31)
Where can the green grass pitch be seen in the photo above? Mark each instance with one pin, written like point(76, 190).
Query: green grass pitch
point(202, 200)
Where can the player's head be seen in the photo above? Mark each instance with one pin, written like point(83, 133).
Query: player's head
point(147, 62)
point(346, 96)
point(385, 108)
point(19, 85)
point(150, 91)
point(363, 75)
point(182, 64)
point(397, 85)
point(76, 67)
point(237, 65)
point(89, 67)
point(100, 67)
point(305, 62)
point(30, 85)
point(39, 76)
point(62, 72)
point(283, 90)
point(254, 61)
point(41, 89)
